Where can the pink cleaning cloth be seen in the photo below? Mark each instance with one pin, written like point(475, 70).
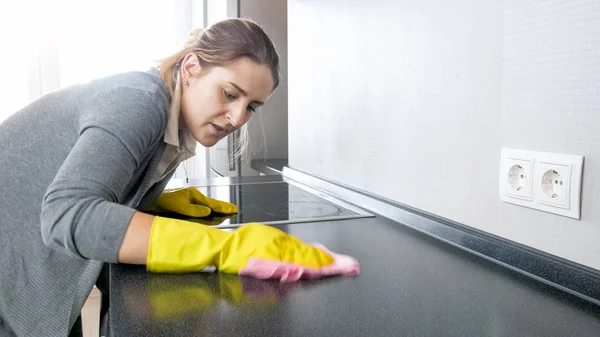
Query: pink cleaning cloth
point(289, 272)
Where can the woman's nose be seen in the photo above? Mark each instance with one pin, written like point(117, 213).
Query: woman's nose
point(236, 117)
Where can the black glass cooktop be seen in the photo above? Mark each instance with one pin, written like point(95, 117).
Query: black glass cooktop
point(275, 202)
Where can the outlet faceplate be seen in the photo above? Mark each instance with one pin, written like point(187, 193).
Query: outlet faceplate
point(558, 178)
point(555, 180)
point(549, 182)
point(515, 175)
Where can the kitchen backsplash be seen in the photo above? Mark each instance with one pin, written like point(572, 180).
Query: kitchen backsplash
point(413, 100)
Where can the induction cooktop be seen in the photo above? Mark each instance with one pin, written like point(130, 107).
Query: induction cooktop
point(278, 202)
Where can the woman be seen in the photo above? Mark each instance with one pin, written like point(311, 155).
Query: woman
point(79, 165)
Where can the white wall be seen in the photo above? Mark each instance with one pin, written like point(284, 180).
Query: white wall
point(413, 100)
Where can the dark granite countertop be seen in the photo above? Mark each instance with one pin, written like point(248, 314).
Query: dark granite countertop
point(410, 285)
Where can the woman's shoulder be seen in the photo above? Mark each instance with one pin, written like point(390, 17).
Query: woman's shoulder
point(129, 101)
point(148, 82)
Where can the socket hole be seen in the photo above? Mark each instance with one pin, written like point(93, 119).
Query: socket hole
point(516, 177)
point(552, 183)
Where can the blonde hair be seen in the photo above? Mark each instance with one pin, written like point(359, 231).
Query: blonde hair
point(221, 43)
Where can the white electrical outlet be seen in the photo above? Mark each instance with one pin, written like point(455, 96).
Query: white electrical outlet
point(558, 183)
point(515, 176)
point(544, 181)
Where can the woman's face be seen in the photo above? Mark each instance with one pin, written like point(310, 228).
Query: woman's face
point(219, 100)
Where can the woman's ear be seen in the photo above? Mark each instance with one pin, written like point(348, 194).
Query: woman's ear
point(190, 66)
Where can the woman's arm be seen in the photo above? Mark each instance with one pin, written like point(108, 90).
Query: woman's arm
point(81, 212)
point(134, 249)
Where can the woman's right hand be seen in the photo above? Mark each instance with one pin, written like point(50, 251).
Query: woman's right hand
point(183, 246)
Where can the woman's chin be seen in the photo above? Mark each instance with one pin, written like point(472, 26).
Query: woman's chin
point(208, 141)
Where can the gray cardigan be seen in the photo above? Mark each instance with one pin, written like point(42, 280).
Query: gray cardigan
point(74, 166)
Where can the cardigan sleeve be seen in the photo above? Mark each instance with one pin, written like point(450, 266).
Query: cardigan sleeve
point(81, 212)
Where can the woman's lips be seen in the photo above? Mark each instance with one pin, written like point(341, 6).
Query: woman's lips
point(218, 131)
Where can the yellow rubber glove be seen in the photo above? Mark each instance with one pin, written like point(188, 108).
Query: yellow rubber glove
point(183, 246)
point(191, 202)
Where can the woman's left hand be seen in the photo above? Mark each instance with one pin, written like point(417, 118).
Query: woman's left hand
point(191, 202)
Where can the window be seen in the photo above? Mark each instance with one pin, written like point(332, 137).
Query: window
point(52, 44)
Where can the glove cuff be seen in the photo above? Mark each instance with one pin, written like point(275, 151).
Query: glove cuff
point(179, 246)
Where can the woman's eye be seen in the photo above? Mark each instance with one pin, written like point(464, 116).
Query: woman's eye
point(228, 95)
point(251, 108)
